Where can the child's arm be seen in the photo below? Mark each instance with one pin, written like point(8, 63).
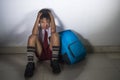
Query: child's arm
point(53, 26)
point(35, 28)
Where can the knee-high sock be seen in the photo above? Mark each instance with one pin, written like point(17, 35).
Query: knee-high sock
point(55, 52)
point(30, 53)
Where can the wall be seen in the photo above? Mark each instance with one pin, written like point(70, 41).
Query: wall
point(96, 21)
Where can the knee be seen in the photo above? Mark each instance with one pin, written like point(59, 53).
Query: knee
point(55, 39)
point(32, 38)
point(55, 35)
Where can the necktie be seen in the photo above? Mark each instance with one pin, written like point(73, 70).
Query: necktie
point(45, 43)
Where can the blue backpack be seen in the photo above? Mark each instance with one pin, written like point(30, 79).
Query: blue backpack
point(72, 50)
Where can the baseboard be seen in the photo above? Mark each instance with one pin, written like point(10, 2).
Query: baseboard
point(13, 50)
point(103, 49)
point(90, 49)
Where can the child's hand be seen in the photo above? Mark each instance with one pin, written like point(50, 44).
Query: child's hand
point(39, 14)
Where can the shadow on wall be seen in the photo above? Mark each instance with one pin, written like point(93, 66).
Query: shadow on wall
point(59, 27)
point(85, 42)
point(19, 35)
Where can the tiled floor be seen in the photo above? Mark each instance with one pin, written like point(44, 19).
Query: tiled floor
point(102, 66)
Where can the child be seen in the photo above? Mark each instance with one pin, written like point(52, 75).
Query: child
point(44, 42)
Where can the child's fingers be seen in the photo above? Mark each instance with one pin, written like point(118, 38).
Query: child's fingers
point(39, 14)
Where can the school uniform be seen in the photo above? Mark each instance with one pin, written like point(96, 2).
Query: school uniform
point(46, 53)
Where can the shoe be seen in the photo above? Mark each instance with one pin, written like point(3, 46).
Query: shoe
point(55, 66)
point(30, 67)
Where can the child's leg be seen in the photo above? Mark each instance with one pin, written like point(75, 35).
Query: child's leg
point(38, 48)
point(33, 44)
point(55, 45)
point(31, 48)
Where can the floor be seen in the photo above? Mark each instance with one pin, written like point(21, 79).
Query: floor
point(97, 66)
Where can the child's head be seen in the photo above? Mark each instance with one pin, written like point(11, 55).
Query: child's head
point(45, 18)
